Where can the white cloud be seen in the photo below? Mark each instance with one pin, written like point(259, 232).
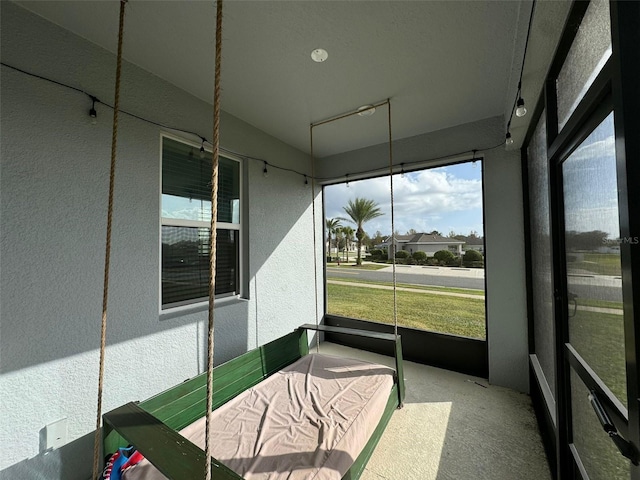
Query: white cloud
point(425, 200)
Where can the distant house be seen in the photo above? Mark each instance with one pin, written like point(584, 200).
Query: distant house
point(475, 243)
point(422, 242)
point(351, 249)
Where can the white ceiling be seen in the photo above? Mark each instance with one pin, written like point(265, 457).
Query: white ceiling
point(442, 63)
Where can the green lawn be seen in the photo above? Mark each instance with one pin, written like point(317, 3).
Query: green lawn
point(440, 313)
point(598, 263)
point(591, 302)
point(599, 339)
point(469, 291)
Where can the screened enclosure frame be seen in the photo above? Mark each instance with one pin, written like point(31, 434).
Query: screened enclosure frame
point(614, 89)
point(439, 349)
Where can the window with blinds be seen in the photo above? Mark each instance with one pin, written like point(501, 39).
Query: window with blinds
point(186, 213)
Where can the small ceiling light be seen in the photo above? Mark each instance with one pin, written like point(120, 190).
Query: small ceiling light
point(92, 112)
point(265, 173)
point(202, 149)
point(402, 170)
point(319, 55)
point(508, 139)
point(366, 110)
point(521, 110)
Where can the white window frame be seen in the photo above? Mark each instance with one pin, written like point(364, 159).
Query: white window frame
point(200, 303)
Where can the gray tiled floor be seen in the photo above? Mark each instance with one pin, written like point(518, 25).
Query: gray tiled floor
point(455, 427)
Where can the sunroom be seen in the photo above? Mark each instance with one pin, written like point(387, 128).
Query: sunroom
point(444, 78)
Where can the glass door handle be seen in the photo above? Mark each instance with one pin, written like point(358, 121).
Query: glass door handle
point(625, 447)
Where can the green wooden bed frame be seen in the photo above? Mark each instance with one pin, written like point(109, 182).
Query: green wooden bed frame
point(153, 425)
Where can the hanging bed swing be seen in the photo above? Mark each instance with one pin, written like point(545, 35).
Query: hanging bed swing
point(277, 411)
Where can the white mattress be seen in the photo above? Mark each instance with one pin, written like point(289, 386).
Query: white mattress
point(310, 420)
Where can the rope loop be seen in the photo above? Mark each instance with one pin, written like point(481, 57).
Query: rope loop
point(395, 297)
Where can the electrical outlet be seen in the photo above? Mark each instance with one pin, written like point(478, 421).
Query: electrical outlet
point(55, 434)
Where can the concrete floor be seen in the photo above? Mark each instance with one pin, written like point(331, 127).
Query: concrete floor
point(454, 427)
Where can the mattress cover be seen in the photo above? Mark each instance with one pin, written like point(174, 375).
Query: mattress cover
point(310, 420)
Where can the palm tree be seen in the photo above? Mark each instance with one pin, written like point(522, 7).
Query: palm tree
point(348, 236)
point(332, 224)
point(339, 241)
point(361, 210)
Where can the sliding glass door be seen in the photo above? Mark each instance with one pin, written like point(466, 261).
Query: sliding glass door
point(593, 311)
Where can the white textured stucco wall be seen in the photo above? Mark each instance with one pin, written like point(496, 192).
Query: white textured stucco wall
point(53, 191)
point(505, 271)
point(507, 334)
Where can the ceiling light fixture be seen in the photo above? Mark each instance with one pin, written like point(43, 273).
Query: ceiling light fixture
point(92, 112)
point(518, 106)
point(508, 139)
point(521, 110)
point(366, 110)
point(319, 55)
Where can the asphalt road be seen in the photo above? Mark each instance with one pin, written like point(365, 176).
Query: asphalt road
point(423, 279)
point(596, 288)
point(591, 287)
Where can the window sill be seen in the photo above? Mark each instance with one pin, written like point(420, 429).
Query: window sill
point(199, 307)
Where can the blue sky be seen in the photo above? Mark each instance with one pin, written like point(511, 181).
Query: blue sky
point(444, 199)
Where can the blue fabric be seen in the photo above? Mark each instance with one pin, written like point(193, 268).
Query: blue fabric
point(116, 473)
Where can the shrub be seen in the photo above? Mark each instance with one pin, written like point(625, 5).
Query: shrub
point(473, 259)
point(402, 254)
point(472, 256)
point(455, 262)
point(444, 257)
point(376, 253)
point(419, 256)
point(478, 264)
point(410, 261)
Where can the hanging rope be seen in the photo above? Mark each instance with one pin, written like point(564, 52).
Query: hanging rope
point(213, 237)
point(393, 226)
point(107, 255)
point(315, 254)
